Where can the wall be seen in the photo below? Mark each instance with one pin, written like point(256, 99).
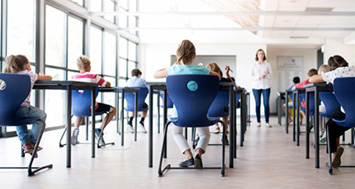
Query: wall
point(336, 46)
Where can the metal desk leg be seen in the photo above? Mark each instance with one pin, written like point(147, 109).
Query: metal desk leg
point(122, 118)
point(294, 116)
point(231, 129)
point(93, 102)
point(298, 120)
point(165, 117)
point(68, 116)
point(150, 142)
point(307, 125)
point(316, 125)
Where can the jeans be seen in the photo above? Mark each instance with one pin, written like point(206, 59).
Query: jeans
point(22, 131)
point(266, 95)
point(202, 132)
point(335, 130)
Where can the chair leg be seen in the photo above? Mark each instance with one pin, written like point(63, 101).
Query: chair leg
point(330, 169)
point(100, 136)
point(160, 171)
point(30, 172)
point(22, 152)
point(61, 138)
point(223, 149)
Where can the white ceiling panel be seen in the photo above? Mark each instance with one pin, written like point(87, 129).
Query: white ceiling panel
point(286, 21)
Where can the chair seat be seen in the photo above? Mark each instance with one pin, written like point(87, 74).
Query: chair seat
point(199, 123)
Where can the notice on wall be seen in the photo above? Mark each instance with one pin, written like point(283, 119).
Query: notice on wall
point(288, 67)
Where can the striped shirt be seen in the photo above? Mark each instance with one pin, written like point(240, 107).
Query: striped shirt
point(89, 77)
point(33, 77)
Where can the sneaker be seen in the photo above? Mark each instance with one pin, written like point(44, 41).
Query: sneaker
point(187, 163)
point(198, 162)
point(259, 124)
point(268, 125)
point(323, 137)
point(337, 159)
point(130, 128)
point(248, 120)
point(226, 142)
point(216, 129)
point(74, 137)
point(141, 128)
point(97, 135)
point(28, 147)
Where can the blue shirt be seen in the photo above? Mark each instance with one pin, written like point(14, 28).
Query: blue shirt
point(136, 82)
point(189, 69)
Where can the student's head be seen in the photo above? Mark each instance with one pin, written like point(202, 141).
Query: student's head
point(337, 61)
point(296, 80)
point(312, 72)
point(214, 67)
point(260, 54)
point(186, 52)
point(136, 72)
point(83, 63)
point(16, 63)
point(323, 68)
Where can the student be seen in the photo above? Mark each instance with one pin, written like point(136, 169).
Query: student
point(186, 54)
point(19, 64)
point(215, 68)
point(137, 81)
point(295, 80)
point(339, 68)
point(311, 73)
point(261, 74)
point(84, 66)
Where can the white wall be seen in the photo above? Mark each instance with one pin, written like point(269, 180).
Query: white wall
point(336, 46)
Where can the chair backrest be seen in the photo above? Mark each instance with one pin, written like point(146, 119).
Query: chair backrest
point(344, 90)
point(330, 103)
point(130, 97)
point(17, 88)
point(81, 102)
point(219, 107)
point(169, 103)
point(192, 96)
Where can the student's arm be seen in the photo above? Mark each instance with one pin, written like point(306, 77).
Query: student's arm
point(227, 73)
point(316, 79)
point(162, 73)
point(215, 73)
point(44, 77)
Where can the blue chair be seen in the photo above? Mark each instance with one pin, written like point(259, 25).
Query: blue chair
point(11, 97)
point(330, 103)
point(344, 88)
point(81, 107)
point(192, 96)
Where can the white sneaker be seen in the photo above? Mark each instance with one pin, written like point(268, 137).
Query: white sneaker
point(141, 128)
point(130, 128)
point(216, 129)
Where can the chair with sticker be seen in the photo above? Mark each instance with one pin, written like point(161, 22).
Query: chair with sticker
point(192, 96)
point(12, 94)
point(81, 107)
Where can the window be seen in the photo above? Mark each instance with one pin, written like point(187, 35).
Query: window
point(96, 49)
point(79, 2)
point(76, 39)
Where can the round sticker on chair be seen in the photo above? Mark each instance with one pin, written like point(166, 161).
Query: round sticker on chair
point(2, 84)
point(192, 85)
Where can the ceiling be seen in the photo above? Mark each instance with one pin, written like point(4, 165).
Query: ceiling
point(300, 23)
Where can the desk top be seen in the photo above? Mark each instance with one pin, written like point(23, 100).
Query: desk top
point(118, 89)
point(58, 84)
point(319, 86)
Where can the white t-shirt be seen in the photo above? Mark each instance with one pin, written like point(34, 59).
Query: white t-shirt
point(257, 70)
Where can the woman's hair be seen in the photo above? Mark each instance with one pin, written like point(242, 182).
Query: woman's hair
point(214, 67)
point(14, 64)
point(185, 52)
point(337, 61)
point(83, 62)
point(256, 56)
point(323, 68)
point(312, 72)
point(136, 72)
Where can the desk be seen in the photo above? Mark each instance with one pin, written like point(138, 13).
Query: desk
point(123, 90)
point(281, 96)
point(161, 86)
point(314, 88)
point(69, 86)
point(243, 113)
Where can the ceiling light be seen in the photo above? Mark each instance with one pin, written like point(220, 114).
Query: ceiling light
point(299, 37)
point(318, 9)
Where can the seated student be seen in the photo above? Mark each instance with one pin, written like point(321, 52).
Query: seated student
point(311, 73)
point(185, 54)
point(295, 81)
point(339, 68)
point(137, 81)
point(84, 66)
point(19, 64)
point(214, 67)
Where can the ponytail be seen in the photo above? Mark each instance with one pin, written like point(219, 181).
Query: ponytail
point(14, 64)
point(185, 52)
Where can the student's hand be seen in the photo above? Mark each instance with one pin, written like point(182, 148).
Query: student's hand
point(227, 69)
point(41, 76)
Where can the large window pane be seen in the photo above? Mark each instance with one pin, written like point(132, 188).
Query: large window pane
point(131, 66)
point(110, 54)
point(132, 51)
point(21, 28)
point(122, 68)
point(132, 24)
point(96, 5)
point(122, 19)
point(95, 50)
point(55, 37)
point(79, 2)
point(109, 6)
point(132, 5)
point(123, 48)
point(75, 39)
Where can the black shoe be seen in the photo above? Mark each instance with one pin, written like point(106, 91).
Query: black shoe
point(187, 163)
point(198, 162)
point(226, 142)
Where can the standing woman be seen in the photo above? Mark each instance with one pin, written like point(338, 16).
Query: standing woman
point(261, 75)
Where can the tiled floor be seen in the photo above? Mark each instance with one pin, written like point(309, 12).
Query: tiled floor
point(269, 159)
